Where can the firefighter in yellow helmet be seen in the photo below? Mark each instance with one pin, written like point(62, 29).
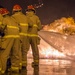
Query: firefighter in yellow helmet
point(10, 42)
point(24, 23)
point(33, 34)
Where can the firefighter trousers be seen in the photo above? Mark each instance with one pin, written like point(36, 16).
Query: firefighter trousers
point(34, 46)
point(24, 49)
point(12, 47)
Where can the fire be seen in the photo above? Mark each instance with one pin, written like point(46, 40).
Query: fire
point(63, 25)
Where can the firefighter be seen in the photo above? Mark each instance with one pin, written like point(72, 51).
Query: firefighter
point(1, 35)
point(10, 42)
point(34, 40)
point(24, 23)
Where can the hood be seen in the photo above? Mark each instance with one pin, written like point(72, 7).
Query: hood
point(16, 13)
point(31, 13)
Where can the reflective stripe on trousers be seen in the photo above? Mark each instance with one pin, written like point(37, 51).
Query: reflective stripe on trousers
point(33, 35)
point(11, 36)
point(23, 34)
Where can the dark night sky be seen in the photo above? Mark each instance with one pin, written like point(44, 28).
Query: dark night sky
point(51, 10)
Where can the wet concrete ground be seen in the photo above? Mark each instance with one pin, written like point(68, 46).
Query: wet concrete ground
point(49, 67)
